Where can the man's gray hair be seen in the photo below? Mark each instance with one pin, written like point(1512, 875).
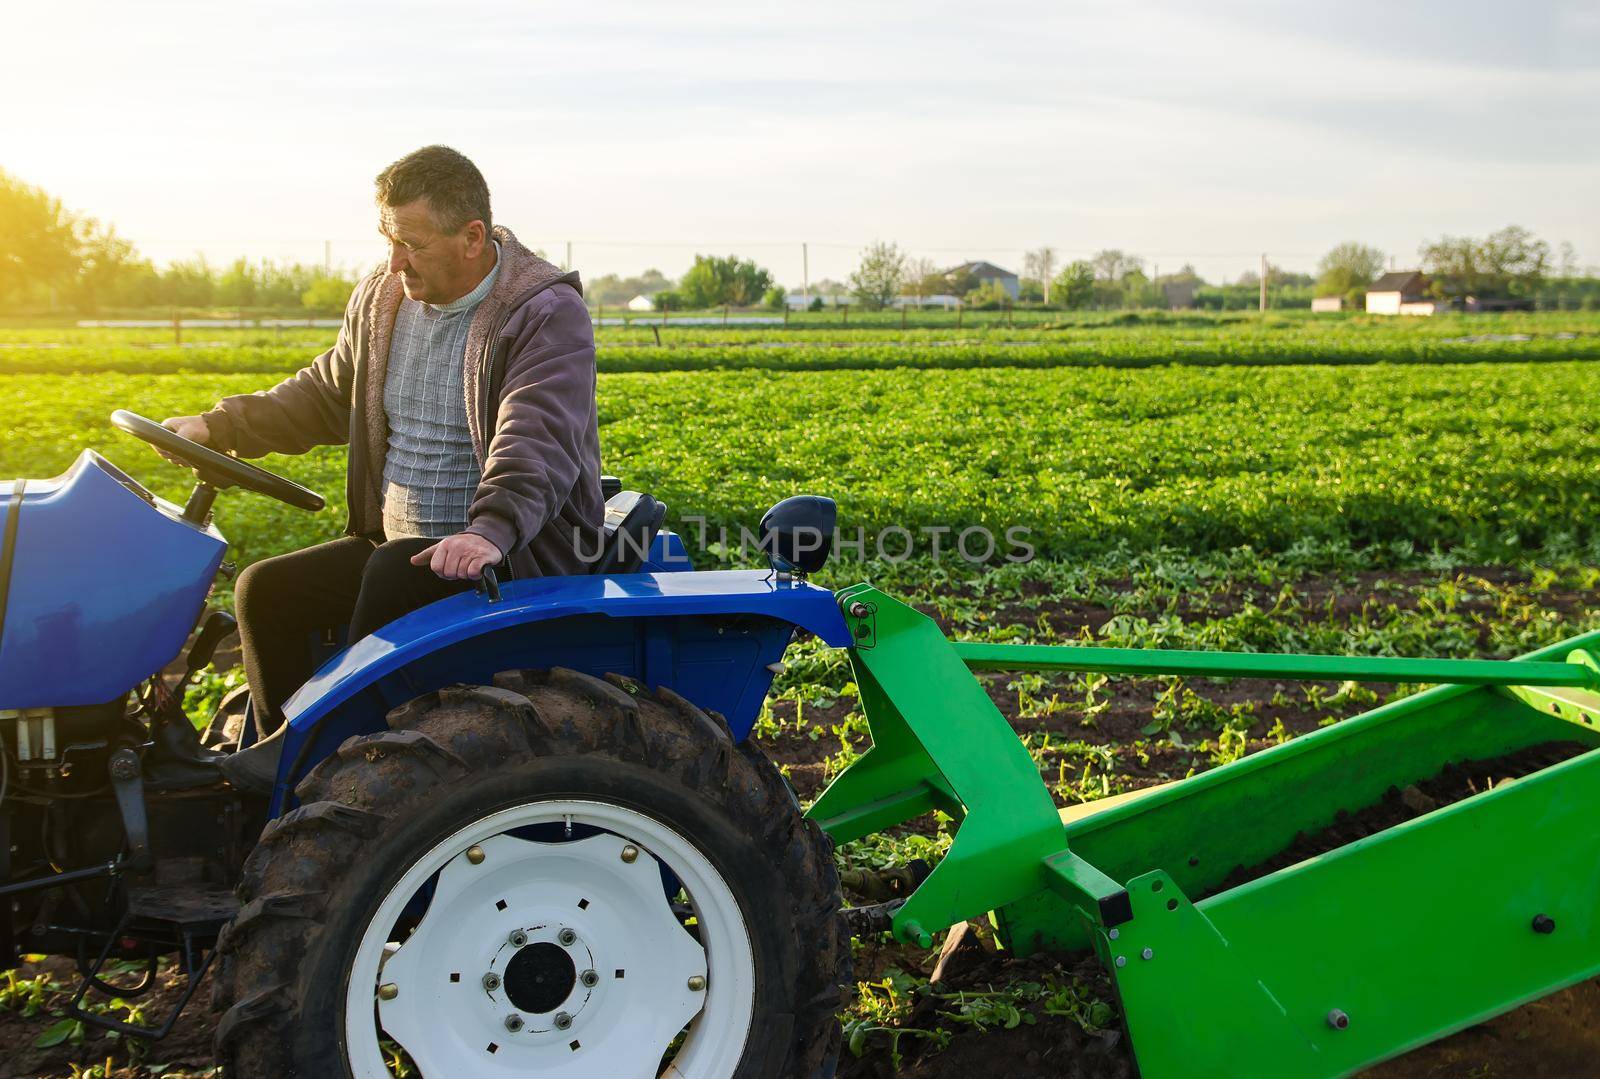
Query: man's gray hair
point(452, 184)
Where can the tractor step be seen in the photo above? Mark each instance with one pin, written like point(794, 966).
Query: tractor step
point(200, 911)
point(183, 919)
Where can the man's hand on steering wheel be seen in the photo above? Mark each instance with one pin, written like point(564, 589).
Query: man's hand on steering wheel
point(193, 428)
point(175, 441)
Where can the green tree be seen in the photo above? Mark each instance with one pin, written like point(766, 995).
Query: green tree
point(238, 285)
point(189, 283)
point(713, 281)
point(1510, 262)
point(39, 242)
point(610, 289)
point(922, 278)
point(110, 272)
point(877, 277)
point(776, 298)
point(327, 295)
point(1347, 270)
point(1137, 290)
point(1074, 285)
point(1113, 265)
point(283, 285)
point(989, 296)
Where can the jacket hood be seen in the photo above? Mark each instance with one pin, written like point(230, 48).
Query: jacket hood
point(522, 271)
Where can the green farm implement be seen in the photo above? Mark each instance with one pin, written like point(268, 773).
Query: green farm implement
point(1342, 959)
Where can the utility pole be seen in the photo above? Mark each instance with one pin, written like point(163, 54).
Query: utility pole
point(1155, 283)
point(568, 264)
point(327, 258)
point(1263, 281)
point(805, 276)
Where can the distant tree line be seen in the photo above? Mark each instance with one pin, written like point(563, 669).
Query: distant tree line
point(51, 258)
point(1511, 264)
point(1508, 263)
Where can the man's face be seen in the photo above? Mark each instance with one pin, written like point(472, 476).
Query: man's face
point(434, 266)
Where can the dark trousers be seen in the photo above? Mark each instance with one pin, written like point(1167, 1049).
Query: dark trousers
point(280, 602)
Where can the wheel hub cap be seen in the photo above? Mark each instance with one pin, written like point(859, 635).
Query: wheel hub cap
point(576, 906)
point(540, 977)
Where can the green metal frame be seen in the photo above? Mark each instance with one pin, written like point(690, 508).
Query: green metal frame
point(1410, 934)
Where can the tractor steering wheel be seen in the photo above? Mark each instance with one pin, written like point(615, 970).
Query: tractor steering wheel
point(214, 468)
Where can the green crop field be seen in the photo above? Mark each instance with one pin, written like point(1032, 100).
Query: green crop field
point(1498, 458)
point(1127, 340)
point(1427, 487)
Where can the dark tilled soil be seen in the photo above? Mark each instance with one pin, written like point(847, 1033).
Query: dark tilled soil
point(1338, 599)
point(1557, 1036)
point(1040, 1047)
point(1455, 782)
point(185, 1052)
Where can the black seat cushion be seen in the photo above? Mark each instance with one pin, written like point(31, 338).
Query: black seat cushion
point(632, 520)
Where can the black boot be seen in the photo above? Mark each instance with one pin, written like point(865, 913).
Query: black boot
point(176, 760)
point(255, 770)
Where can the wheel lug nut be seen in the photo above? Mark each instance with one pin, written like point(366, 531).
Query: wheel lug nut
point(513, 1022)
point(630, 854)
point(697, 983)
point(518, 938)
point(491, 981)
point(475, 854)
point(567, 937)
point(563, 1020)
point(589, 978)
point(388, 991)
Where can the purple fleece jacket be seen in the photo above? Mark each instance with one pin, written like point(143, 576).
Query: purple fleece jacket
point(530, 397)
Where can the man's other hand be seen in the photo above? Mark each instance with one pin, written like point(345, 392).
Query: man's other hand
point(191, 427)
point(460, 557)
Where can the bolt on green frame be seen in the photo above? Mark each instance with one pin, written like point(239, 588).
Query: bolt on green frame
point(1317, 969)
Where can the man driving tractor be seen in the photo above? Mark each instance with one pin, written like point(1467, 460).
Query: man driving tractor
point(463, 380)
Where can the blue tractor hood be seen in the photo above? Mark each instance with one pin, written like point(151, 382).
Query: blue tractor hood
point(100, 584)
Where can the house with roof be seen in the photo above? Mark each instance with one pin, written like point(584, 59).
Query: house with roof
point(1403, 292)
point(984, 272)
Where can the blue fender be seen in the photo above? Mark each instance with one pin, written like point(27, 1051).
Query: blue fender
point(712, 637)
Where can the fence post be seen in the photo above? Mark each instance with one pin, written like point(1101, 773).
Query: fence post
point(724, 314)
point(846, 309)
point(177, 328)
point(902, 316)
point(960, 308)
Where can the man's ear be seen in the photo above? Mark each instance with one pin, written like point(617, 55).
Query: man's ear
point(477, 238)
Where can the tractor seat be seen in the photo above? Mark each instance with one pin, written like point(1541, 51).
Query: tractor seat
point(632, 520)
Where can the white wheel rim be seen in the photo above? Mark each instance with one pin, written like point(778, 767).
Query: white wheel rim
point(600, 901)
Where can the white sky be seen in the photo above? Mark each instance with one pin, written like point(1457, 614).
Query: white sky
point(646, 132)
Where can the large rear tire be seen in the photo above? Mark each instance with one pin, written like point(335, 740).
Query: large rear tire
point(435, 859)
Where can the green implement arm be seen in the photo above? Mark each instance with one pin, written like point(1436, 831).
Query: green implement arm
point(1316, 969)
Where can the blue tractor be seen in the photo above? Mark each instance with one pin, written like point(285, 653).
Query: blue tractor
point(519, 830)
